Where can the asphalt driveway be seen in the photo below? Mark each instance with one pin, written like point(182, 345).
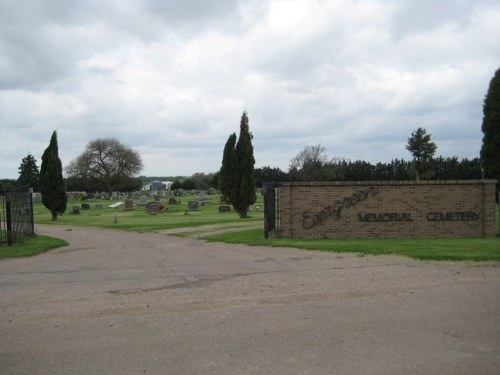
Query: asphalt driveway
point(116, 302)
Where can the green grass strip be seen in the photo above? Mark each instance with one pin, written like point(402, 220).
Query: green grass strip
point(457, 249)
point(31, 246)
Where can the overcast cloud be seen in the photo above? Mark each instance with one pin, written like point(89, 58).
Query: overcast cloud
point(171, 78)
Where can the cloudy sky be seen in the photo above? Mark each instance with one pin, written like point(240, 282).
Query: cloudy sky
point(171, 78)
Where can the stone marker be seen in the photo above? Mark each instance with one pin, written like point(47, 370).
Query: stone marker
point(193, 205)
point(224, 208)
point(85, 206)
point(99, 205)
point(157, 198)
point(143, 200)
point(172, 201)
point(129, 204)
point(76, 210)
point(153, 209)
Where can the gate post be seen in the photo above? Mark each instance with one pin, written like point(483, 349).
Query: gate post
point(8, 214)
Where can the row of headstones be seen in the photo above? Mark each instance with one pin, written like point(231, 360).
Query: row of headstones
point(129, 205)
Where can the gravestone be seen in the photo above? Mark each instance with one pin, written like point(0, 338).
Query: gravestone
point(157, 198)
point(172, 201)
point(224, 208)
point(143, 200)
point(153, 209)
point(99, 205)
point(76, 210)
point(193, 205)
point(85, 206)
point(129, 204)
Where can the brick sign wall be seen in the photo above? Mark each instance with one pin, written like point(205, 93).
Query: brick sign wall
point(398, 209)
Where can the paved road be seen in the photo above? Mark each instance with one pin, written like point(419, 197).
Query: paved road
point(136, 303)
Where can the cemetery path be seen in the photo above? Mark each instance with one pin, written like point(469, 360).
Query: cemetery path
point(115, 302)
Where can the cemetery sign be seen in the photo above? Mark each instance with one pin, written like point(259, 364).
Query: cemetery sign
point(387, 209)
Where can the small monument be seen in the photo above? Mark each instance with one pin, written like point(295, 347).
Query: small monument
point(224, 208)
point(193, 205)
point(129, 204)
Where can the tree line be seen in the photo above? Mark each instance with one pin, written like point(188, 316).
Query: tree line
point(449, 168)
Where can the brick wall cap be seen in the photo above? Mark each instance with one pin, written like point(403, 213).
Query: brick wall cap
point(393, 183)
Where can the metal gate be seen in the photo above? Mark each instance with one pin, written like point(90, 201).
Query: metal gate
point(271, 209)
point(16, 215)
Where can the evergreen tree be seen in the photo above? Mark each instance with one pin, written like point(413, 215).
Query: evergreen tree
point(490, 150)
point(228, 168)
point(422, 149)
point(29, 173)
point(237, 178)
point(51, 179)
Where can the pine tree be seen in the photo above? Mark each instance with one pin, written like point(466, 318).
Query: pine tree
point(29, 173)
point(51, 179)
point(490, 150)
point(422, 149)
point(237, 180)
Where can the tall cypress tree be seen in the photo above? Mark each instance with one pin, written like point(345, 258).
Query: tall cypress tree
point(51, 179)
point(237, 171)
point(490, 150)
point(243, 191)
point(227, 171)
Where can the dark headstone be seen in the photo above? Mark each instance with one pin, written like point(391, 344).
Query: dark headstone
point(224, 208)
point(172, 201)
point(129, 204)
point(193, 205)
point(85, 206)
point(153, 209)
point(76, 210)
point(157, 198)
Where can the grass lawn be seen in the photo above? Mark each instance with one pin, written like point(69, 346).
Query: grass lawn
point(174, 216)
point(30, 246)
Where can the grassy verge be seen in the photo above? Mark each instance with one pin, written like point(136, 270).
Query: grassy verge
point(470, 249)
point(31, 246)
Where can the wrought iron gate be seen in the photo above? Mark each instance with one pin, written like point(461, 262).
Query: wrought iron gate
point(16, 215)
point(271, 209)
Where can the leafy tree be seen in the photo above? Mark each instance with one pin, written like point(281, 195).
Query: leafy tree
point(310, 164)
point(29, 173)
point(188, 184)
point(52, 184)
point(106, 164)
point(237, 177)
point(422, 149)
point(490, 150)
point(176, 185)
point(202, 181)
